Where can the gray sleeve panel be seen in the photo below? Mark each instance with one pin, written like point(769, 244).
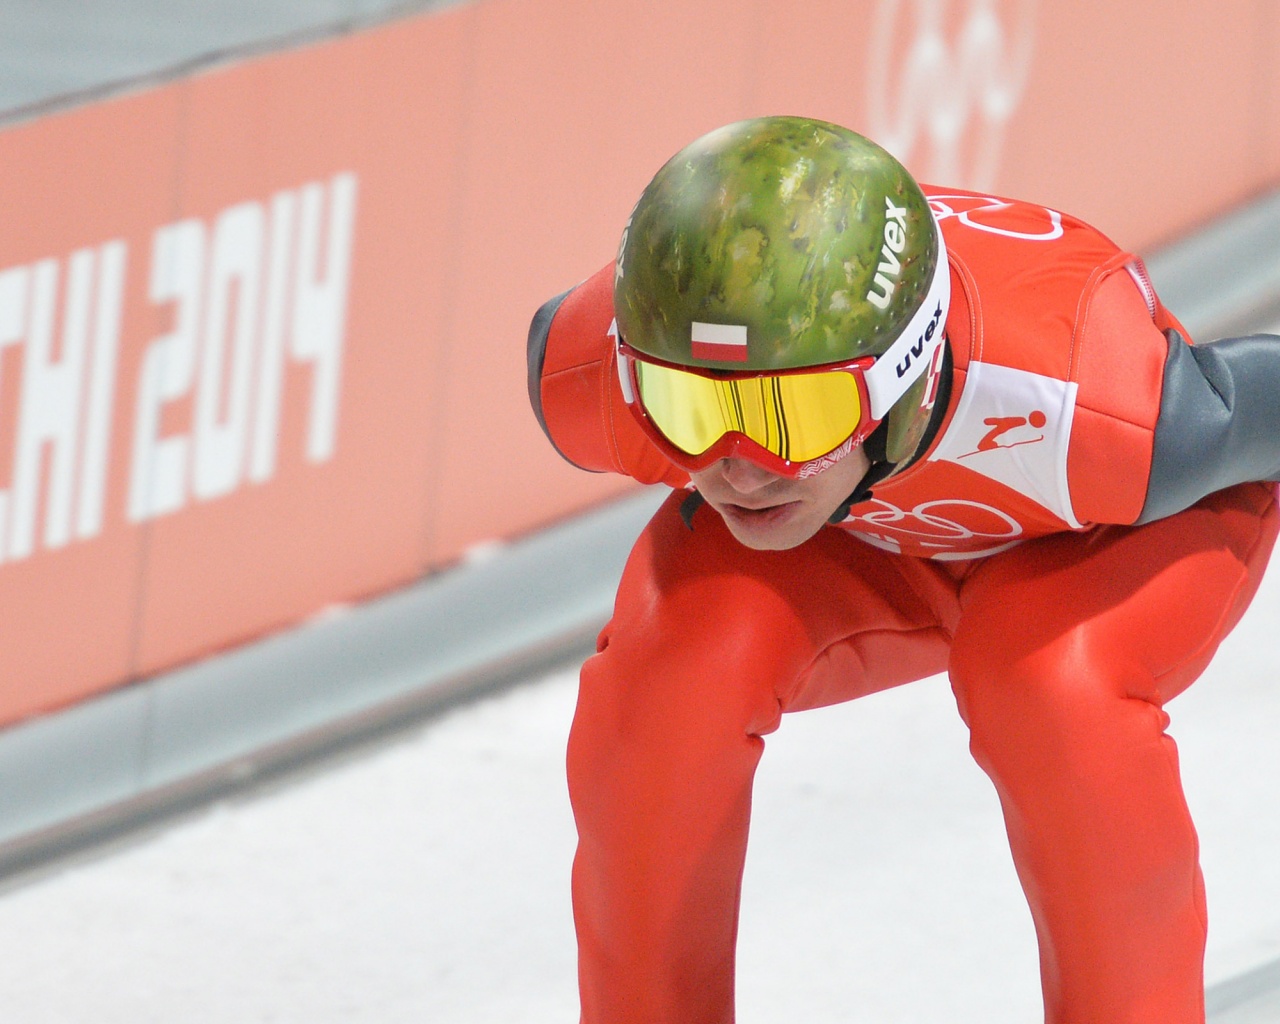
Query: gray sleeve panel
point(1219, 421)
point(537, 354)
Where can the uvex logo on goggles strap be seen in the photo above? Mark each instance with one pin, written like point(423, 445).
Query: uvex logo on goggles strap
point(909, 356)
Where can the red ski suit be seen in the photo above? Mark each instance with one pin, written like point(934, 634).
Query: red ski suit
point(1005, 555)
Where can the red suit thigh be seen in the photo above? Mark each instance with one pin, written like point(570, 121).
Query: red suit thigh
point(710, 642)
point(1066, 651)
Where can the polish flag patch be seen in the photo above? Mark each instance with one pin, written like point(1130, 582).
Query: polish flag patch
point(720, 342)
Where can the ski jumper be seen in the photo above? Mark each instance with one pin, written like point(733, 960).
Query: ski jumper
point(1075, 541)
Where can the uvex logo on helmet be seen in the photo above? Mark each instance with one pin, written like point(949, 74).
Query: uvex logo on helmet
point(895, 240)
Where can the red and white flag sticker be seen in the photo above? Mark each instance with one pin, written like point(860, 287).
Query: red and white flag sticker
point(720, 342)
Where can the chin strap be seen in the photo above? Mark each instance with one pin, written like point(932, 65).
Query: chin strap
point(875, 448)
point(862, 492)
point(689, 506)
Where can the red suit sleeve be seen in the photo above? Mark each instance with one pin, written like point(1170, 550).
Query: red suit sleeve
point(1119, 352)
point(1161, 423)
point(574, 388)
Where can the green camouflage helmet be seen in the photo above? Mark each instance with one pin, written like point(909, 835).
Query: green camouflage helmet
point(813, 238)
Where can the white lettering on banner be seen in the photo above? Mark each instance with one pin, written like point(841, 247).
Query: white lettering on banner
point(14, 285)
point(266, 422)
point(226, 363)
point(63, 418)
point(921, 82)
point(102, 389)
point(320, 305)
point(158, 480)
point(50, 402)
point(258, 289)
point(253, 291)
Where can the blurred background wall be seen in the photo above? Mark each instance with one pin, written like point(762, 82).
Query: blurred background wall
point(266, 268)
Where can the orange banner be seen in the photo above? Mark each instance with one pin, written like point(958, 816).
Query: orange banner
point(261, 329)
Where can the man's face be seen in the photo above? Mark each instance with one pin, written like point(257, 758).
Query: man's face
point(773, 513)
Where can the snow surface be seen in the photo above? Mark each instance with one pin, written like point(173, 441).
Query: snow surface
point(426, 880)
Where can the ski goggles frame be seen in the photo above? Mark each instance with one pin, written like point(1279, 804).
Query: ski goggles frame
point(877, 383)
point(749, 415)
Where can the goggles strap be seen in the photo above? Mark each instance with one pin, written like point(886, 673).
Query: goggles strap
point(877, 441)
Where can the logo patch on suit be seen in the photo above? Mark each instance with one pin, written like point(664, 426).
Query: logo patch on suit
point(1014, 427)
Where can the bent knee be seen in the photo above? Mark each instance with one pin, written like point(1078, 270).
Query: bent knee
point(1060, 704)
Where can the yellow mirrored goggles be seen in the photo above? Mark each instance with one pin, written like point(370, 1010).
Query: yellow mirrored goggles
point(796, 416)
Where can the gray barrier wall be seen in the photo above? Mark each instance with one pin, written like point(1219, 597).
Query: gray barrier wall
point(60, 50)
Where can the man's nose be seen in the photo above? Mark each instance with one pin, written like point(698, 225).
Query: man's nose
point(744, 476)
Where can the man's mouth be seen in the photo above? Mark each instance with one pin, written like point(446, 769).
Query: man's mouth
point(760, 514)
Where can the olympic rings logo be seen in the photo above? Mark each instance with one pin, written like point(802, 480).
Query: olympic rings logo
point(984, 212)
point(938, 89)
point(927, 521)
